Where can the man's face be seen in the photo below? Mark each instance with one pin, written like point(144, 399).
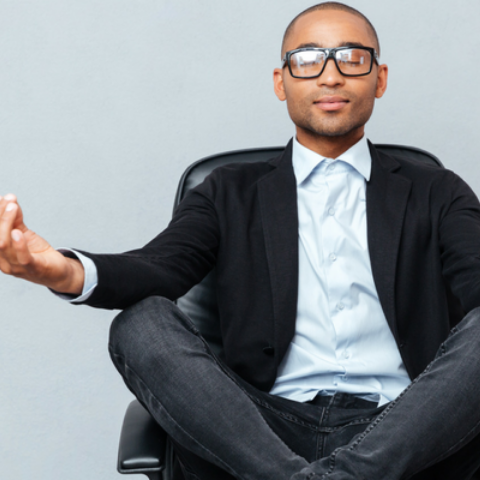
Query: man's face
point(331, 105)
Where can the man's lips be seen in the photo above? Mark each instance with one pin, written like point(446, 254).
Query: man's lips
point(331, 103)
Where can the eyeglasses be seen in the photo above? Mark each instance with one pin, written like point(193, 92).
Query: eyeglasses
point(310, 62)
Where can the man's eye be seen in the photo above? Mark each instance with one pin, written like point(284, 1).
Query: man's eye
point(351, 59)
point(309, 63)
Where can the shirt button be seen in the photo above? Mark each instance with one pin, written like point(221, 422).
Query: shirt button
point(340, 306)
point(332, 257)
point(346, 354)
point(331, 167)
point(331, 211)
point(270, 351)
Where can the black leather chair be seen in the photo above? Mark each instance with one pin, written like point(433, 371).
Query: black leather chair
point(144, 446)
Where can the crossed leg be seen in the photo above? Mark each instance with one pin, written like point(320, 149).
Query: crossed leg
point(207, 411)
point(168, 366)
point(426, 426)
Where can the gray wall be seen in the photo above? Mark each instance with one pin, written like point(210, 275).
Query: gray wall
point(96, 126)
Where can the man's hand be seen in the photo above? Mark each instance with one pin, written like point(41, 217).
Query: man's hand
point(25, 255)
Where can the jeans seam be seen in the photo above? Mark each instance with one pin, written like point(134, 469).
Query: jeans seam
point(286, 416)
point(379, 418)
point(350, 424)
point(320, 437)
point(374, 424)
point(442, 351)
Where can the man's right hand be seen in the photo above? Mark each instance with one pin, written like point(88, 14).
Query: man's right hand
point(26, 255)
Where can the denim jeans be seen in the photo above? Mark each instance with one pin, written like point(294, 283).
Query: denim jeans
point(224, 428)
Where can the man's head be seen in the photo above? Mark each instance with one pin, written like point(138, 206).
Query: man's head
point(332, 6)
point(331, 108)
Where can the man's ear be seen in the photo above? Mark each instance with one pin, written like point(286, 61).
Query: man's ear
point(278, 85)
point(382, 80)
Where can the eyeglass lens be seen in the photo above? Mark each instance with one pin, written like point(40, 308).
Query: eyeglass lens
point(351, 61)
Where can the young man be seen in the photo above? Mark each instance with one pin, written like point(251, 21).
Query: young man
point(330, 323)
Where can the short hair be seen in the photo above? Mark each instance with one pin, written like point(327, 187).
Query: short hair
point(331, 6)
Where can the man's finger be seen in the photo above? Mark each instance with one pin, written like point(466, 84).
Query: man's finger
point(10, 197)
point(5, 200)
point(19, 244)
point(7, 218)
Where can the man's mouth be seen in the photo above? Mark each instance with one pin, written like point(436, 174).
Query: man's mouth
point(331, 103)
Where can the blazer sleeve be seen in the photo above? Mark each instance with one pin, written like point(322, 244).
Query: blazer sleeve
point(169, 265)
point(459, 231)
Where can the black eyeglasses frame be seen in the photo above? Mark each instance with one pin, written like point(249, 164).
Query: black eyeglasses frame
point(330, 54)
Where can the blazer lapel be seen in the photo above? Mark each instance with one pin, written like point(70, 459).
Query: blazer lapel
point(387, 196)
point(278, 203)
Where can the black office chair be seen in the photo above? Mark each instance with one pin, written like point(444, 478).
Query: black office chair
point(144, 446)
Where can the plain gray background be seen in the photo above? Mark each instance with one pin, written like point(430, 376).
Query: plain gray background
point(103, 104)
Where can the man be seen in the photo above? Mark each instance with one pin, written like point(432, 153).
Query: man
point(330, 328)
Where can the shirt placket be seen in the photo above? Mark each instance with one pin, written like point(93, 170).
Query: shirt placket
point(334, 262)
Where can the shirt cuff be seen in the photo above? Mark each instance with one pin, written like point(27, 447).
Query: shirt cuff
point(91, 276)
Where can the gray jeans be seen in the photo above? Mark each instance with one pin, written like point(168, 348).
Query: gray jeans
point(224, 428)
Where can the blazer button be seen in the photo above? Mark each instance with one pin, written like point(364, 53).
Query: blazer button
point(269, 351)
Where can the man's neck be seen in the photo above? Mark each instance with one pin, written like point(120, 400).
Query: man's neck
point(329, 147)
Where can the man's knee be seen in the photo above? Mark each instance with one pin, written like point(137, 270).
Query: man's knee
point(154, 325)
point(136, 326)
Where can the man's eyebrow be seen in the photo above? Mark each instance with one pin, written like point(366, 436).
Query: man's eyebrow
point(341, 44)
point(309, 45)
point(353, 44)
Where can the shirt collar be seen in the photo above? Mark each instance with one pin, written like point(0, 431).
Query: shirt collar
point(305, 160)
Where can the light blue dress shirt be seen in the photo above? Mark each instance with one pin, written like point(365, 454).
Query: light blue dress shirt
point(342, 341)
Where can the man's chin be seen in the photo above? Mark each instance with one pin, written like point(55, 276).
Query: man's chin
point(335, 131)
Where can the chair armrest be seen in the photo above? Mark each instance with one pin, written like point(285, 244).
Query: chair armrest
point(142, 443)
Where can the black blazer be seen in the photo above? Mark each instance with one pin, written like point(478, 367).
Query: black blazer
point(424, 243)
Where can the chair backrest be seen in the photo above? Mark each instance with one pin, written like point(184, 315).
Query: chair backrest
point(200, 303)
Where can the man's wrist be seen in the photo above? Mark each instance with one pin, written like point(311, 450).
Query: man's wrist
point(74, 278)
point(89, 277)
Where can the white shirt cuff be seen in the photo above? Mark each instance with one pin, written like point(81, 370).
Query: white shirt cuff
point(91, 277)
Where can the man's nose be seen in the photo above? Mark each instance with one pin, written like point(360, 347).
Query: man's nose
point(330, 75)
